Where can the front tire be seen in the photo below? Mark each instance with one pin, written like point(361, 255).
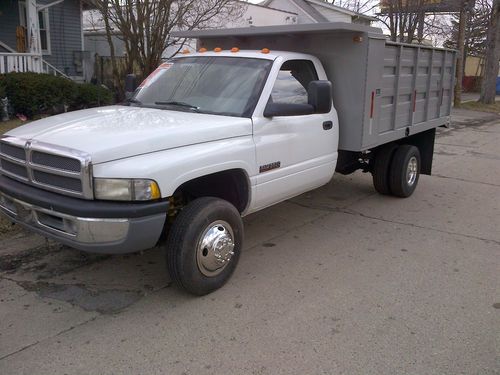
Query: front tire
point(405, 171)
point(204, 245)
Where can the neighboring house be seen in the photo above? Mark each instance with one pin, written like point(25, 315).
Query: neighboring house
point(474, 66)
point(96, 40)
point(253, 15)
point(315, 11)
point(43, 36)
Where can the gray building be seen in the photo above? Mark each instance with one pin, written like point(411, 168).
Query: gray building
point(316, 11)
point(47, 40)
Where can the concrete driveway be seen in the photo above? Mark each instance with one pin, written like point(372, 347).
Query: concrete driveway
point(337, 281)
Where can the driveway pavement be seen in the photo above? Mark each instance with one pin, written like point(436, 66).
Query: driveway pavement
point(340, 280)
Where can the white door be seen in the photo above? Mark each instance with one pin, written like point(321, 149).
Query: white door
point(294, 153)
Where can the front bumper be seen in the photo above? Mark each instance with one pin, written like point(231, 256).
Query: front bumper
point(100, 227)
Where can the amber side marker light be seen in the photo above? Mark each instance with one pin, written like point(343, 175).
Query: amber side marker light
point(357, 39)
point(265, 50)
point(217, 49)
point(202, 50)
point(235, 49)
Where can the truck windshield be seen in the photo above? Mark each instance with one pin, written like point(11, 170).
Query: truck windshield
point(228, 86)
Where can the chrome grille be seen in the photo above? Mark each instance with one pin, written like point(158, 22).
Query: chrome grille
point(56, 161)
point(49, 167)
point(13, 151)
point(62, 182)
point(19, 170)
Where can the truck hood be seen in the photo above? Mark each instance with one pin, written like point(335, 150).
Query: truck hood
point(116, 132)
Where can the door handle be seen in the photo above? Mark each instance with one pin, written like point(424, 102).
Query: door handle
point(327, 125)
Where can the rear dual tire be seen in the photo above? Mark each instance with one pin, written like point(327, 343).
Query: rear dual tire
point(396, 170)
point(405, 171)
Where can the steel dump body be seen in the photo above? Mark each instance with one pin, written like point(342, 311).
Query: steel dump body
point(383, 91)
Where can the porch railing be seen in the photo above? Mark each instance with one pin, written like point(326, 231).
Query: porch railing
point(20, 62)
point(27, 62)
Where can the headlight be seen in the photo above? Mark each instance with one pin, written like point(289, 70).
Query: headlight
point(125, 190)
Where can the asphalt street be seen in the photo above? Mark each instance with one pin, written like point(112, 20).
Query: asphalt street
point(339, 280)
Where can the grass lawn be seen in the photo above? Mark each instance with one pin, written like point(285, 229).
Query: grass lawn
point(11, 124)
point(476, 106)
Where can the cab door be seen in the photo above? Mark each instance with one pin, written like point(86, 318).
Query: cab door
point(294, 153)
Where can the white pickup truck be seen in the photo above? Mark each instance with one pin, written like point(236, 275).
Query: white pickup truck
point(215, 135)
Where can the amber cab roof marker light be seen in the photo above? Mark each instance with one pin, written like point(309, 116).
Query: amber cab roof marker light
point(185, 51)
point(202, 49)
point(235, 49)
point(265, 50)
point(217, 49)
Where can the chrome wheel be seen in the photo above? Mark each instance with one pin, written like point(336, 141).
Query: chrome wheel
point(412, 171)
point(215, 248)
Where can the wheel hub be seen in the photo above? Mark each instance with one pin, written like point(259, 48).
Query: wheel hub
point(215, 248)
point(412, 171)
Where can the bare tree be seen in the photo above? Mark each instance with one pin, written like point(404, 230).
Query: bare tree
point(145, 26)
point(476, 29)
point(488, 86)
point(403, 18)
point(367, 7)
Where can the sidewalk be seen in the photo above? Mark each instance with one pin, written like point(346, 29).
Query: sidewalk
point(474, 96)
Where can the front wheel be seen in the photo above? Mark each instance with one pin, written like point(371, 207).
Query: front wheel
point(204, 245)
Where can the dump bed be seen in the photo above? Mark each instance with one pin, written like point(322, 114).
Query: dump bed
point(383, 91)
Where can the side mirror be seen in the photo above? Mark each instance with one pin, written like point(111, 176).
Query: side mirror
point(130, 85)
point(320, 96)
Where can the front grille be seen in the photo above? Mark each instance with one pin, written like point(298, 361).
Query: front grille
point(62, 182)
point(13, 151)
point(56, 161)
point(18, 170)
point(48, 167)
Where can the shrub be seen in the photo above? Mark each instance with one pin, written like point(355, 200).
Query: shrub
point(88, 95)
point(34, 94)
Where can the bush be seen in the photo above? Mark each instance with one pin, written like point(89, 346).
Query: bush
point(35, 94)
point(88, 95)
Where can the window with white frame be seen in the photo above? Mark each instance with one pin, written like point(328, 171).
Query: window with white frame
point(43, 25)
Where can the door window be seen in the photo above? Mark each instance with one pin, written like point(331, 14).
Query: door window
point(291, 84)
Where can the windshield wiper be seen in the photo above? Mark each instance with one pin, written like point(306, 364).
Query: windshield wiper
point(133, 100)
point(180, 104)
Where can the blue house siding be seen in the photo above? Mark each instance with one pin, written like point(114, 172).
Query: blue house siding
point(65, 35)
point(65, 32)
point(9, 20)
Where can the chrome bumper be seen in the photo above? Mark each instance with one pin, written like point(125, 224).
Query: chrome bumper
point(101, 235)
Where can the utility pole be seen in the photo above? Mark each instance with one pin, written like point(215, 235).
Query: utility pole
point(457, 99)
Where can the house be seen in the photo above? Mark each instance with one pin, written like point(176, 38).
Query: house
point(96, 39)
point(43, 36)
point(314, 11)
point(252, 15)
